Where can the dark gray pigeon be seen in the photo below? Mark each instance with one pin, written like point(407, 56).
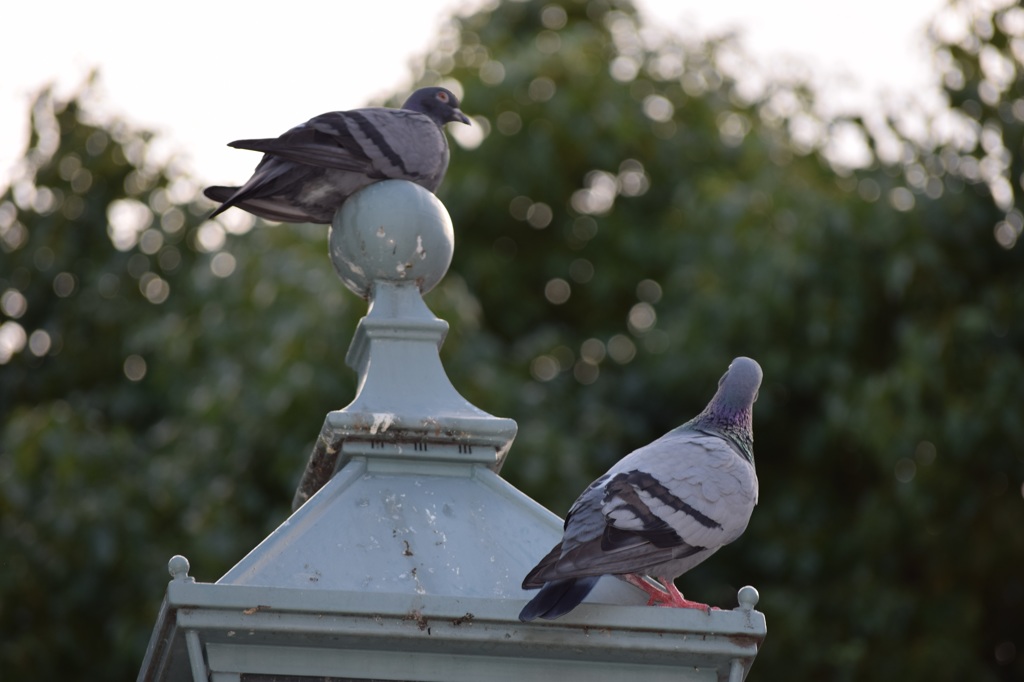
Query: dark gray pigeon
point(662, 509)
point(308, 173)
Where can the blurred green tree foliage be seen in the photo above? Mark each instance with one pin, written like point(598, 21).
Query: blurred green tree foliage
point(631, 214)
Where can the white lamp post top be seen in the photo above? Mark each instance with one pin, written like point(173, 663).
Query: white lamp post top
point(405, 553)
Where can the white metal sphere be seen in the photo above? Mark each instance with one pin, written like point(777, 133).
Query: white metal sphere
point(395, 231)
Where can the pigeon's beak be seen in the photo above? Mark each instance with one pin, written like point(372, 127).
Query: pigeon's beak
point(457, 115)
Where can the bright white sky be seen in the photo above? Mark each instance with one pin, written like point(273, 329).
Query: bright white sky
point(205, 73)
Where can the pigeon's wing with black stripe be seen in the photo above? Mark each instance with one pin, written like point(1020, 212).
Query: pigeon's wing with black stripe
point(379, 143)
point(672, 502)
point(323, 141)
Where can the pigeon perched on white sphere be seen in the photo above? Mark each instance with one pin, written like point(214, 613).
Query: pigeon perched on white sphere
point(662, 509)
point(307, 173)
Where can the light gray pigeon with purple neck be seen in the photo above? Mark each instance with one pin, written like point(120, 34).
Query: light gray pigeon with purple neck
point(307, 173)
point(662, 509)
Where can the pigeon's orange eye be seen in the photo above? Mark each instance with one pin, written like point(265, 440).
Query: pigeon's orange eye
point(442, 97)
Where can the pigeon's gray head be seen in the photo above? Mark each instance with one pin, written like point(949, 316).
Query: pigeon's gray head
point(438, 103)
point(730, 413)
point(737, 389)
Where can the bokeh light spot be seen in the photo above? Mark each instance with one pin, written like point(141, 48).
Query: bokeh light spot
point(222, 264)
point(557, 291)
point(135, 367)
point(169, 258)
point(12, 340)
point(624, 69)
point(509, 123)
point(539, 215)
point(82, 181)
point(598, 196)
point(648, 290)
point(492, 72)
point(732, 128)
point(905, 470)
point(901, 198)
point(869, 190)
point(642, 317)
point(541, 89)
point(471, 136)
point(658, 108)
point(13, 303)
point(1005, 652)
point(519, 206)
point(925, 452)
point(621, 349)
point(1006, 235)
point(632, 180)
point(173, 219)
point(154, 288)
point(553, 17)
point(210, 237)
point(593, 351)
point(126, 219)
point(544, 368)
point(39, 343)
point(236, 222)
point(151, 241)
point(548, 42)
point(64, 284)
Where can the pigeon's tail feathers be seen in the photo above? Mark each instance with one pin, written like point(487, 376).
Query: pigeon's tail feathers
point(221, 194)
point(271, 193)
point(268, 209)
point(558, 598)
point(257, 144)
point(534, 578)
point(281, 212)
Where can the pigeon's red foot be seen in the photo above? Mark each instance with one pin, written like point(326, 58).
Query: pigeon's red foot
point(656, 593)
point(663, 593)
